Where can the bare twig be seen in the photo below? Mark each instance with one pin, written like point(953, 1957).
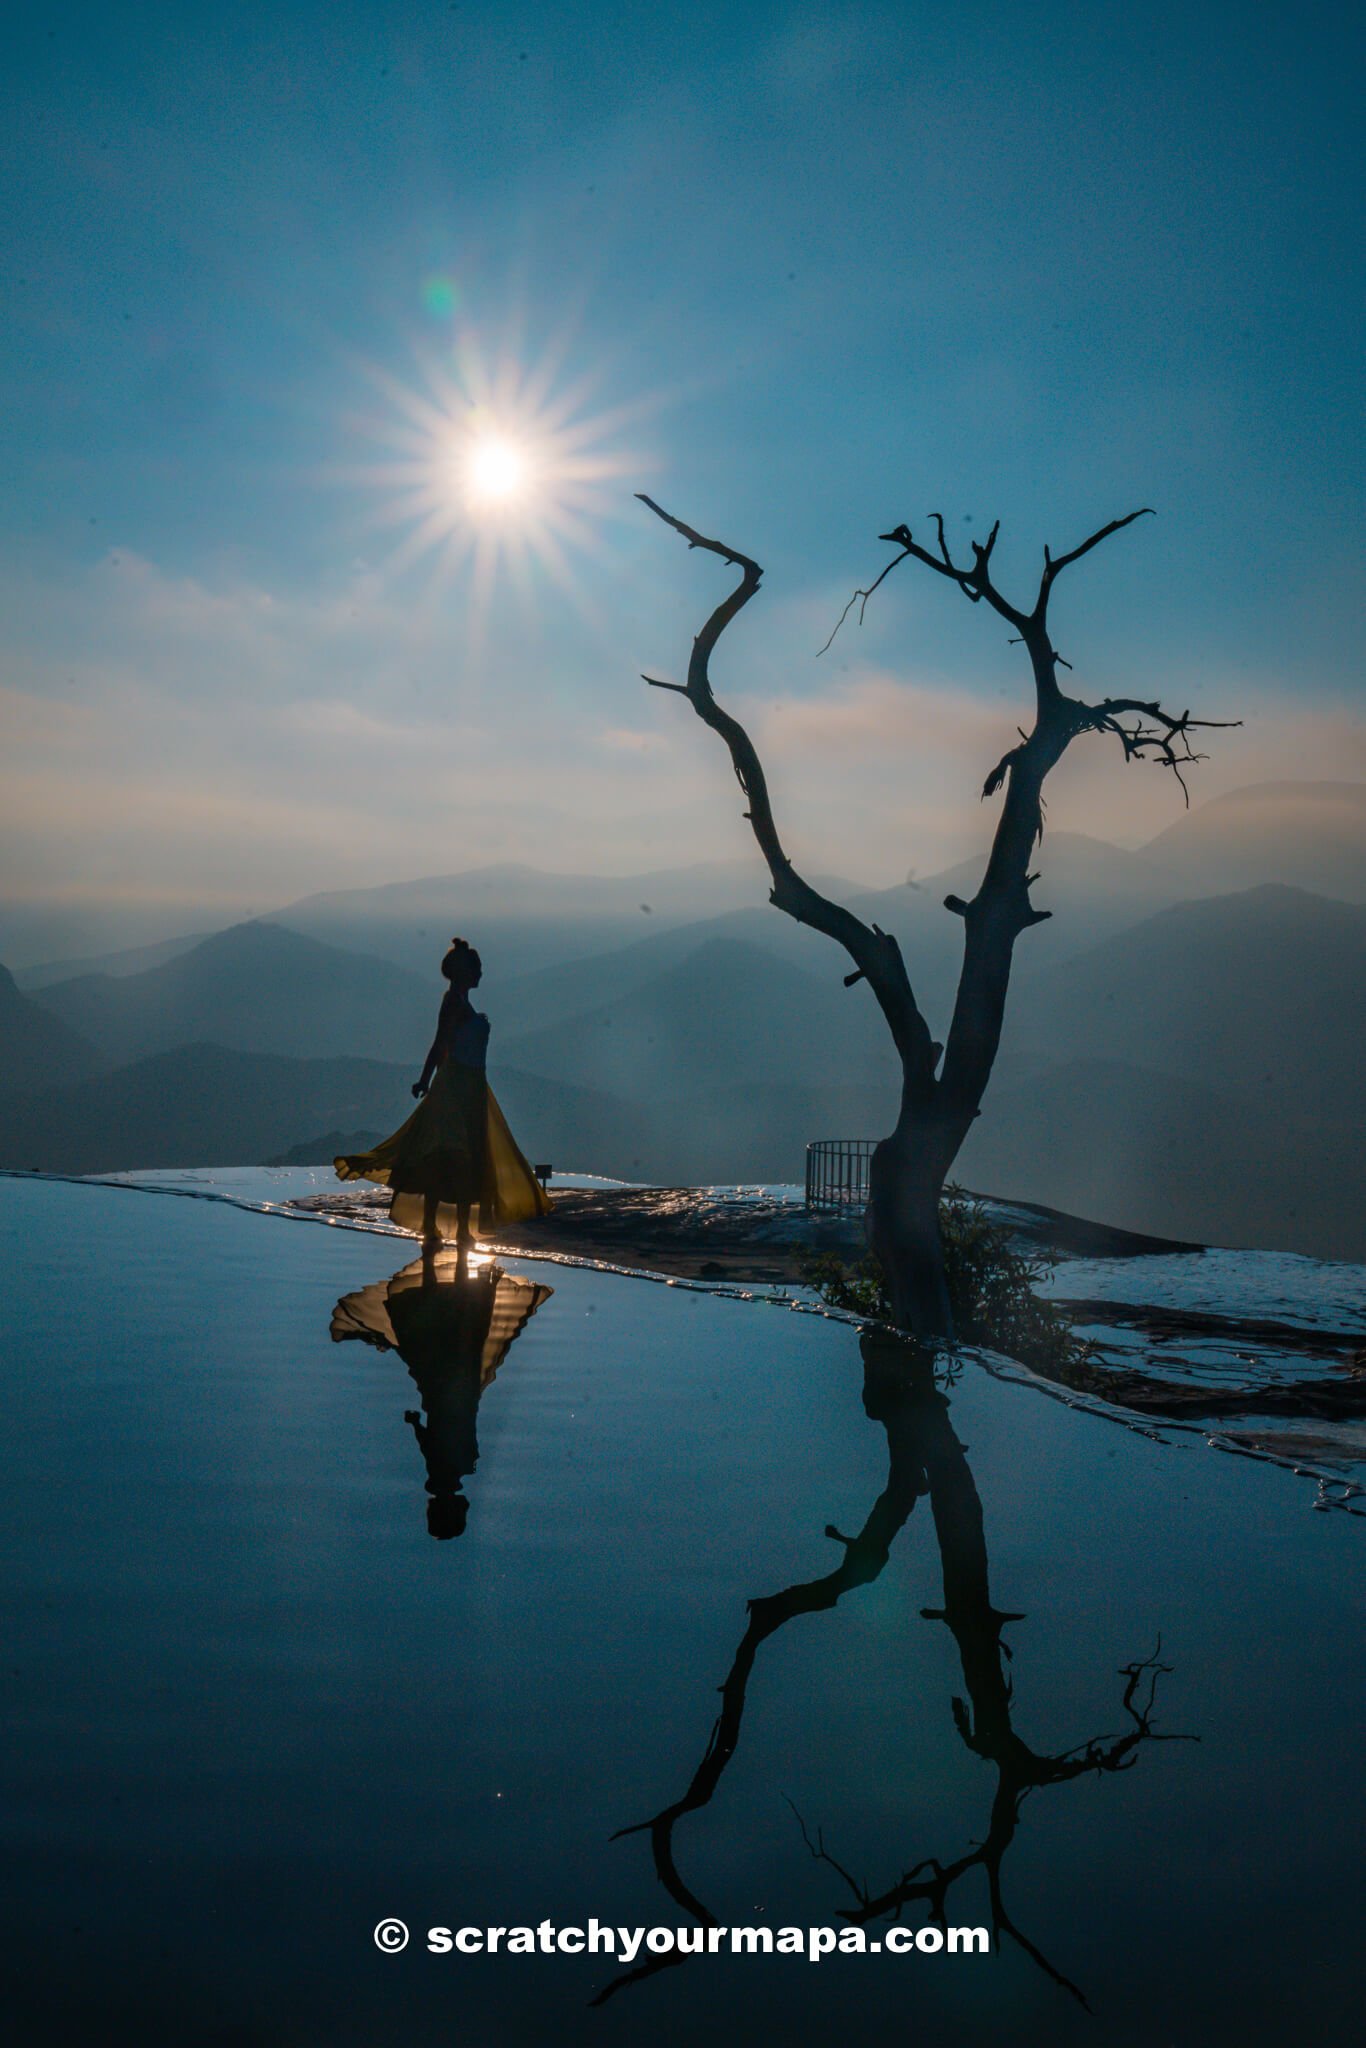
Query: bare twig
point(862, 608)
point(821, 1854)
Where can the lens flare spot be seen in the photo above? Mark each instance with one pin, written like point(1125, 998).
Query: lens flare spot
point(439, 296)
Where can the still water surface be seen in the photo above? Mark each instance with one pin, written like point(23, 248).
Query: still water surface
point(255, 1705)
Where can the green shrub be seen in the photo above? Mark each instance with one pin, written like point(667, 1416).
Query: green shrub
point(991, 1291)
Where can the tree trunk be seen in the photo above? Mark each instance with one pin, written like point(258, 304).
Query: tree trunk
point(905, 1183)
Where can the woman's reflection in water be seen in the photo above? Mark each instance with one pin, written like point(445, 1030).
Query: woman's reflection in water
point(925, 1459)
point(452, 1322)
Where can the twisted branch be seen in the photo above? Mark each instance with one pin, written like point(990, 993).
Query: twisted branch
point(875, 953)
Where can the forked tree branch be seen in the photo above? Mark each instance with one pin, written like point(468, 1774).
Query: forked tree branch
point(975, 580)
point(875, 953)
point(1053, 567)
point(1001, 909)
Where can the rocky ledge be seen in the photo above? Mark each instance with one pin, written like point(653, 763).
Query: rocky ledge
point(739, 1234)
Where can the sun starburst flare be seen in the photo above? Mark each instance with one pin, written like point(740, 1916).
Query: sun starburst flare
point(491, 468)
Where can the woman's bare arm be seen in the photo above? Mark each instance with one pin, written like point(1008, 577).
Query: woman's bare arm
point(451, 1003)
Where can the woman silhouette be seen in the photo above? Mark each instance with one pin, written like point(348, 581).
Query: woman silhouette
point(455, 1155)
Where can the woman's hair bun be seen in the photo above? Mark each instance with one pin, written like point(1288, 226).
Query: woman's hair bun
point(459, 950)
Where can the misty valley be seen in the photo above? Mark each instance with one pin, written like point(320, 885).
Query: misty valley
point(1180, 1058)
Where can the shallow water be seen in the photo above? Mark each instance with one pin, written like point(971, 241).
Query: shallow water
point(255, 1707)
point(1314, 1294)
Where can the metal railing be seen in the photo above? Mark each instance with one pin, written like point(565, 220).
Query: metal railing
point(837, 1172)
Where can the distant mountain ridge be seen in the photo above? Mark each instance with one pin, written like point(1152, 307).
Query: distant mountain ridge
point(522, 914)
point(1262, 991)
point(197, 1104)
point(728, 1013)
point(1218, 1031)
point(204, 1104)
point(1306, 835)
point(255, 988)
point(1136, 1146)
point(128, 960)
point(37, 1050)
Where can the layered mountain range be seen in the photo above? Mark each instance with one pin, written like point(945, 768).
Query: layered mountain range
point(1181, 1050)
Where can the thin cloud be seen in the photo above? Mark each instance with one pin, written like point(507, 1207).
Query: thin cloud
point(202, 741)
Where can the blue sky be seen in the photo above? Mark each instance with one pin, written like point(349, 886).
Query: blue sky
point(799, 272)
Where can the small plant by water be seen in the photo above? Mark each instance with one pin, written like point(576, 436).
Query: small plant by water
point(992, 1290)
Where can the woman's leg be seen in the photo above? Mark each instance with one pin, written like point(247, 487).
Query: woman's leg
point(431, 1236)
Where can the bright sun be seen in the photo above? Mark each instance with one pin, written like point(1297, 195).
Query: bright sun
point(495, 466)
point(496, 471)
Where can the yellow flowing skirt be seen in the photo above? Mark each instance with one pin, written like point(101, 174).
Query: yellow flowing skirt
point(456, 1145)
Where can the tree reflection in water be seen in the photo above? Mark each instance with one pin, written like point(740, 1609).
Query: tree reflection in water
point(925, 1458)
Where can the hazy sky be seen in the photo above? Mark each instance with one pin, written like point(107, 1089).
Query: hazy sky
point(799, 272)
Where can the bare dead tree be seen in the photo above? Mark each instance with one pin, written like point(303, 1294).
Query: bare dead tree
point(938, 1106)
